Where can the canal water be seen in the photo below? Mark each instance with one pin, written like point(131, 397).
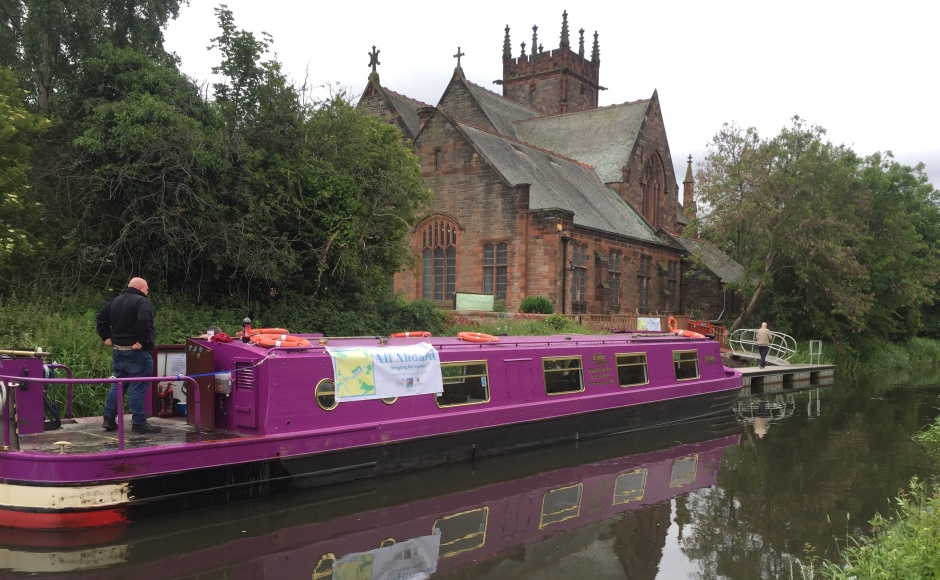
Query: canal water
point(744, 496)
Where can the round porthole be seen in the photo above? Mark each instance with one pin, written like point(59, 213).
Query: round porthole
point(390, 400)
point(326, 395)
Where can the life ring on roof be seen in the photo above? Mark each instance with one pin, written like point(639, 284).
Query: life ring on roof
point(411, 334)
point(688, 334)
point(257, 331)
point(279, 340)
point(477, 337)
point(672, 325)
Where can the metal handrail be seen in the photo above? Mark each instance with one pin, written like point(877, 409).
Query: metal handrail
point(744, 340)
point(68, 394)
point(5, 381)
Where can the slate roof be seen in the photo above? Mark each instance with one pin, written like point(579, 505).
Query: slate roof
point(713, 259)
point(501, 111)
point(557, 182)
point(603, 138)
point(407, 109)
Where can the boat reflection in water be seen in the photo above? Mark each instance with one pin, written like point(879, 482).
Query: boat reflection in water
point(398, 527)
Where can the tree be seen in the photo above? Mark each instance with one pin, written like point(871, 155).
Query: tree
point(325, 193)
point(45, 40)
point(17, 218)
point(131, 181)
point(902, 248)
point(838, 244)
point(784, 206)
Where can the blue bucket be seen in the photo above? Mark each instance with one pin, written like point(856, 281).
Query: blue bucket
point(182, 407)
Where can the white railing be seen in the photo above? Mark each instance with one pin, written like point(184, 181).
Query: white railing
point(743, 341)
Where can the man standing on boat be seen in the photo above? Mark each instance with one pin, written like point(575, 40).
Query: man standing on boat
point(763, 338)
point(125, 324)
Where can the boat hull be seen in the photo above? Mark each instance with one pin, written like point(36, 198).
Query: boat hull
point(46, 505)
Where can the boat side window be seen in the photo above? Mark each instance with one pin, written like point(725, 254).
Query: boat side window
point(561, 504)
point(683, 471)
point(462, 532)
point(632, 370)
point(630, 486)
point(326, 395)
point(465, 383)
point(563, 375)
point(686, 363)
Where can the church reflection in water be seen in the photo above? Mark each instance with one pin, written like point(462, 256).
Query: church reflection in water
point(415, 525)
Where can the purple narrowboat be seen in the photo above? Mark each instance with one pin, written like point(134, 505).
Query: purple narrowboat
point(262, 420)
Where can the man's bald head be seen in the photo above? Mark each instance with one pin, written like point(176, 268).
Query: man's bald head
point(139, 284)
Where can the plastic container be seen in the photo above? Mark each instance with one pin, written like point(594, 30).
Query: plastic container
point(182, 407)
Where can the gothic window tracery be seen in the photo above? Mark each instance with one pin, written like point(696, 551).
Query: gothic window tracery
point(438, 259)
point(654, 187)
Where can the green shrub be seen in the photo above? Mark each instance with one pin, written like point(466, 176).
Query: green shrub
point(536, 305)
point(558, 322)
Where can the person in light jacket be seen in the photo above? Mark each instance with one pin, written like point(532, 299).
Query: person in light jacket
point(763, 337)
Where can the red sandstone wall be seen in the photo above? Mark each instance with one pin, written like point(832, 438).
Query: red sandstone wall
point(548, 80)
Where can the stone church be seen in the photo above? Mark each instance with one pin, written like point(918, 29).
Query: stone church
point(541, 192)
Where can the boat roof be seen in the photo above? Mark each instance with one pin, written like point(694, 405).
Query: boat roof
point(451, 343)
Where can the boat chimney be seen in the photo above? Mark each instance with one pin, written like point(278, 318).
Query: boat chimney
point(247, 332)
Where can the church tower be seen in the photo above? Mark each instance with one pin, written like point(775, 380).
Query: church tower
point(554, 81)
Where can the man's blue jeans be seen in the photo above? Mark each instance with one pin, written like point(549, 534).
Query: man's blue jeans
point(130, 363)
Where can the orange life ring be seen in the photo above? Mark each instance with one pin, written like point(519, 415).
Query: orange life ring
point(672, 325)
point(477, 337)
point(411, 334)
point(276, 340)
point(688, 334)
point(257, 331)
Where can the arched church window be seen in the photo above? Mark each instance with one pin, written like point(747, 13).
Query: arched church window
point(438, 259)
point(654, 188)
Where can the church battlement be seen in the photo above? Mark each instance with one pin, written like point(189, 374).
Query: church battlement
point(552, 81)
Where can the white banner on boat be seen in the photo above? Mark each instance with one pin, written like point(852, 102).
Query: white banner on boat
point(384, 372)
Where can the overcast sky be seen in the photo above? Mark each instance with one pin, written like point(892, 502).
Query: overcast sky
point(867, 72)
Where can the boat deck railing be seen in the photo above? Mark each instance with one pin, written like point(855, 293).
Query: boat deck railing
point(743, 342)
point(9, 385)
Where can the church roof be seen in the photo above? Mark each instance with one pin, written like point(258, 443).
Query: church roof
point(602, 137)
point(501, 111)
point(712, 258)
point(558, 182)
point(407, 109)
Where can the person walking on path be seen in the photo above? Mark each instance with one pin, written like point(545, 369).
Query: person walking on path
point(125, 324)
point(763, 337)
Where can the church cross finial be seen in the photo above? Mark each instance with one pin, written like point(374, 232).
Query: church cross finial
point(458, 55)
point(564, 29)
point(507, 48)
point(690, 159)
point(581, 44)
point(535, 38)
point(523, 49)
point(374, 58)
point(596, 50)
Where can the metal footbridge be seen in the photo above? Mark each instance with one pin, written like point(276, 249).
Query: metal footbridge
point(743, 344)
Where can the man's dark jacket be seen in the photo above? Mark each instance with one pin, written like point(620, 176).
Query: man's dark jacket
point(127, 319)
